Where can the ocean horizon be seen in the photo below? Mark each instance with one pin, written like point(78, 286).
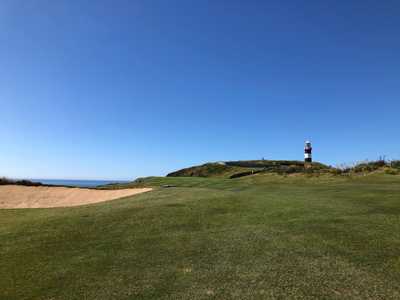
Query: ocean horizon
point(77, 182)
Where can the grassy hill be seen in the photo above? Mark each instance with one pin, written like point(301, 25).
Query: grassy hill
point(256, 237)
point(207, 170)
point(234, 169)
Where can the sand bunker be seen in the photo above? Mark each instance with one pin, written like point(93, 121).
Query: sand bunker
point(13, 196)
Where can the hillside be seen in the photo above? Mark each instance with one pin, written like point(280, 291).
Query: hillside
point(256, 237)
point(210, 170)
point(234, 169)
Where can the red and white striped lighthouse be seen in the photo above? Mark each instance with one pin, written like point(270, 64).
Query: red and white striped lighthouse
point(308, 152)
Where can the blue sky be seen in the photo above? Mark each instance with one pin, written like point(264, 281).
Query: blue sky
point(121, 89)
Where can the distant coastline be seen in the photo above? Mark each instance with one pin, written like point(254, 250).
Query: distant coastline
point(76, 183)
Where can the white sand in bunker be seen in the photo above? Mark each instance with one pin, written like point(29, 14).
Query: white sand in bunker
point(13, 196)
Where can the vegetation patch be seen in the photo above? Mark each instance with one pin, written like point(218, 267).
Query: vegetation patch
point(237, 169)
point(209, 170)
point(6, 181)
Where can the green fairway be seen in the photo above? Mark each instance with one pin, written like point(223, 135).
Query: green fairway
point(256, 237)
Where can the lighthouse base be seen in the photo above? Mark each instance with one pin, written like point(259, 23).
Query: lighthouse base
point(308, 160)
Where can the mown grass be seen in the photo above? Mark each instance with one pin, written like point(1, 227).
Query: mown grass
point(256, 237)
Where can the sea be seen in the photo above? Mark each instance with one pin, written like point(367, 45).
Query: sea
point(77, 183)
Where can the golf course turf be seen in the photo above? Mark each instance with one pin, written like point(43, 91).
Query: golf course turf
point(257, 237)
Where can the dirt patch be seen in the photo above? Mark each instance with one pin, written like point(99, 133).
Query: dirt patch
point(12, 196)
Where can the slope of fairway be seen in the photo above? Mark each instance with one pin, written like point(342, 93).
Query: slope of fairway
point(258, 237)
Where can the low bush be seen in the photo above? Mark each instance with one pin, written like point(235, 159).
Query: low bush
point(371, 166)
point(6, 181)
point(395, 164)
point(336, 171)
point(392, 171)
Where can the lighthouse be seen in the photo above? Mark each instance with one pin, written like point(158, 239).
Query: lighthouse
point(308, 152)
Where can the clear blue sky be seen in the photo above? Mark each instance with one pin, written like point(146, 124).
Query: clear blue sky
point(120, 89)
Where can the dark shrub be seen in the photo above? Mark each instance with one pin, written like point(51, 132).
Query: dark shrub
point(395, 164)
point(5, 181)
point(369, 166)
point(392, 171)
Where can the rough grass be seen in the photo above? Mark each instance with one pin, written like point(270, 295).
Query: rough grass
point(209, 170)
point(235, 169)
point(257, 237)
